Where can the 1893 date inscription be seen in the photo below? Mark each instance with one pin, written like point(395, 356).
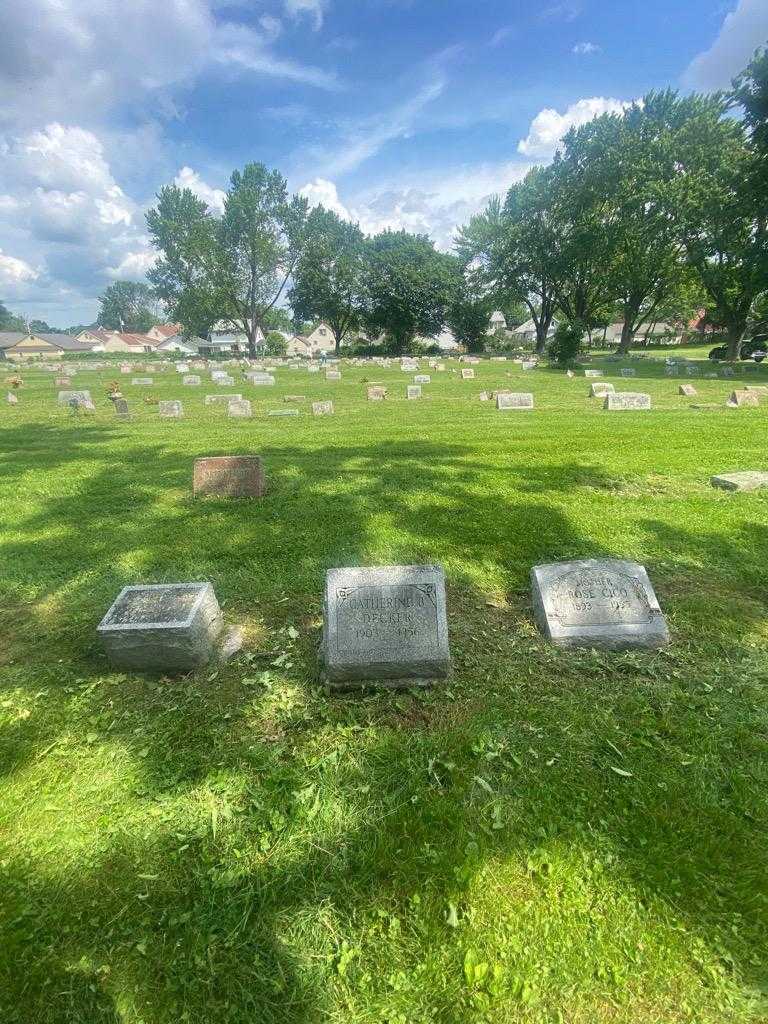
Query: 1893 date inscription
point(595, 597)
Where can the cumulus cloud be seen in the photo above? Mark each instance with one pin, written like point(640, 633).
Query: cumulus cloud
point(322, 192)
point(742, 32)
point(586, 49)
point(14, 271)
point(133, 265)
point(313, 9)
point(214, 197)
point(75, 58)
point(549, 126)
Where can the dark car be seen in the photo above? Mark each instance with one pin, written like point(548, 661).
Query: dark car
point(755, 349)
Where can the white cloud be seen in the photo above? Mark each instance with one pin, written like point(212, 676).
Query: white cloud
point(314, 9)
point(14, 271)
point(586, 49)
point(322, 192)
point(548, 127)
point(742, 32)
point(214, 197)
point(502, 34)
point(134, 265)
point(569, 10)
point(76, 59)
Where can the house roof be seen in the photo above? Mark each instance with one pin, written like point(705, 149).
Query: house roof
point(65, 342)
point(168, 330)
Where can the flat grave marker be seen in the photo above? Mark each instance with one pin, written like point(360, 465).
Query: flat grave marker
point(744, 480)
point(688, 390)
point(142, 382)
point(376, 394)
point(385, 624)
point(742, 398)
point(413, 391)
point(597, 603)
point(172, 410)
point(192, 381)
point(229, 476)
point(506, 400)
point(600, 389)
point(239, 408)
point(66, 397)
point(225, 399)
point(626, 401)
point(467, 374)
point(324, 408)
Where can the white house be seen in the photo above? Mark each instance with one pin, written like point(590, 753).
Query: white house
point(319, 340)
point(162, 332)
point(228, 338)
point(177, 343)
point(526, 332)
point(497, 322)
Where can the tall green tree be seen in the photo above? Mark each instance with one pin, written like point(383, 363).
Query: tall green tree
point(407, 287)
point(128, 306)
point(234, 267)
point(328, 280)
point(717, 198)
point(511, 246)
point(10, 321)
point(468, 314)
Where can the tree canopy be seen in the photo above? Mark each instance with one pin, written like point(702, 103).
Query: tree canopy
point(128, 306)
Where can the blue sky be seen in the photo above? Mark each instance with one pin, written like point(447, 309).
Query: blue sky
point(401, 113)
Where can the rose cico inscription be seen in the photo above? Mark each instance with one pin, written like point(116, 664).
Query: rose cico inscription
point(598, 603)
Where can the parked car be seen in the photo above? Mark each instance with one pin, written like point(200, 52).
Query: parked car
point(755, 349)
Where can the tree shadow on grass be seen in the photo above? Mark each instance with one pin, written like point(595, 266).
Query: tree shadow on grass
point(215, 936)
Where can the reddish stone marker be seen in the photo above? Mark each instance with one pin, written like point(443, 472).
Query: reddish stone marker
point(229, 476)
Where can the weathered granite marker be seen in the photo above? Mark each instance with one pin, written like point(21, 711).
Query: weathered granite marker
point(413, 391)
point(385, 625)
point(626, 400)
point(171, 410)
point(240, 408)
point(747, 480)
point(514, 400)
point(741, 398)
point(169, 627)
point(65, 397)
point(322, 408)
point(597, 603)
point(601, 389)
point(688, 390)
point(229, 476)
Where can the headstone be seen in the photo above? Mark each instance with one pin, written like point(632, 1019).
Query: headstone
point(413, 391)
point(225, 399)
point(171, 410)
point(218, 374)
point(313, 369)
point(283, 412)
point(12, 399)
point(225, 382)
point(142, 382)
point(62, 382)
point(688, 390)
point(742, 398)
point(126, 368)
point(759, 389)
point(376, 394)
point(484, 396)
point(121, 409)
point(229, 476)
point(440, 367)
point(569, 373)
point(467, 374)
point(294, 398)
point(261, 379)
point(422, 378)
point(332, 375)
point(748, 480)
point(65, 397)
point(628, 372)
point(514, 400)
point(592, 373)
point(192, 381)
point(182, 367)
point(167, 627)
point(528, 364)
point(239, 408)
point(600, 390)
point(619, 401)
point(597, 603)
point(385, 624)
point(322, 408)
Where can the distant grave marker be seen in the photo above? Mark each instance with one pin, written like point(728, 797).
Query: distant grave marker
point(62, 382)
point(229, 476)
point(597, 603)
point(467, 374)
point(688, 390)
point(121, 409)
point(12, 399)
point(413, 391)
point(506, 400)
point(592, 373)
point(192, 381)
point(172, 410)
point(283, 412)
point(66, 397)
point(322, 408)
point(386, 625)
point(741, 398)
point(376, 394)
point(261, 379)
point(745, 480)
point(142, 382)
point(626, 401)
point(225, 399)
point(628, 372)
point(601, 389)
point(333, 375)
point(422, 378)
point(239, 408)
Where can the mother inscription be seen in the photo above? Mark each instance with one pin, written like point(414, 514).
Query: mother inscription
point(597, 603)
point(385, 624)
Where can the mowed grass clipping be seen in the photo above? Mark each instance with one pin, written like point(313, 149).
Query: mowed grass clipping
point(553, 836)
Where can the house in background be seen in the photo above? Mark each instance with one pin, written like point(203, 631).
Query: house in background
point(162, 332)
point(21, 345)
point(177, 343)
point(320, 339)
point(226, 338)
point(497, 322)
point(525, 334)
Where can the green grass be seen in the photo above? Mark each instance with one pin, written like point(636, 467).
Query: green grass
point(236, 846)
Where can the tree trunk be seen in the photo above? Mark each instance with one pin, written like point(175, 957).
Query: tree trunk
point(542, 330)
point(735, 338)
point(627, 337)
point(338, 337)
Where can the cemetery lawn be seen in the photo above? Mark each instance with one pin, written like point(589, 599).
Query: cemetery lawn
point(553, 836)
